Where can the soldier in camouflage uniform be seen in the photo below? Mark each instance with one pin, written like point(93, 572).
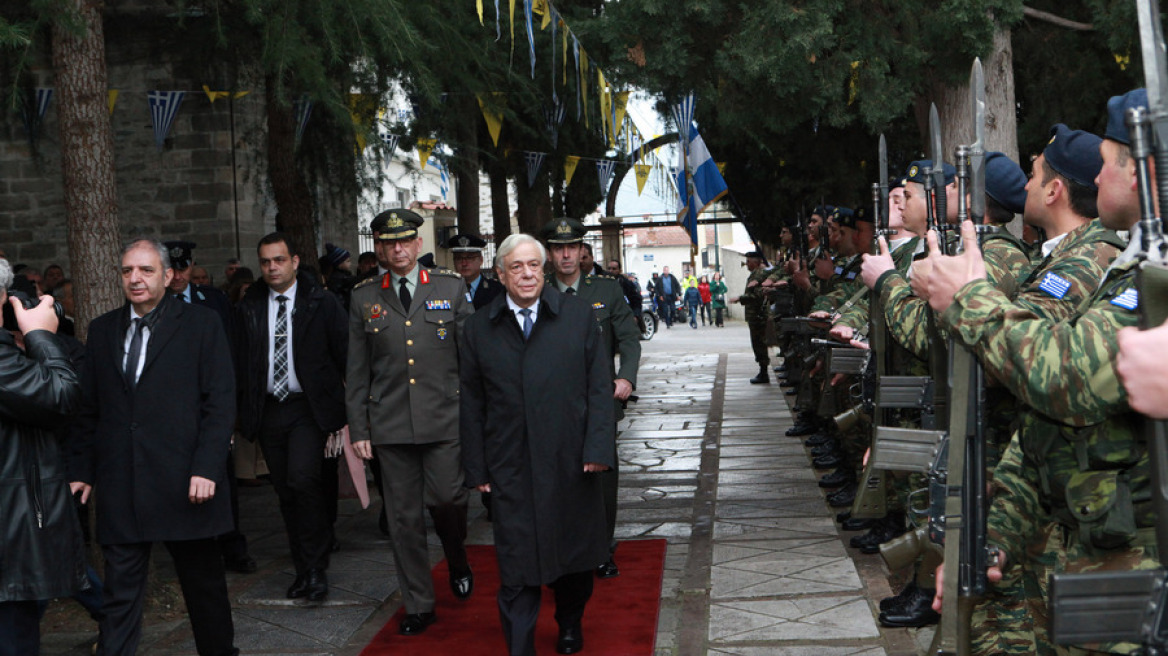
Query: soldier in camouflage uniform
point(1077, 461)
point(753, 301)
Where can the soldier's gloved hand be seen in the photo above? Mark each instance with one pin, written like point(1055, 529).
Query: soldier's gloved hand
point(950, 274)
point(1142, 372)
point(874, 266)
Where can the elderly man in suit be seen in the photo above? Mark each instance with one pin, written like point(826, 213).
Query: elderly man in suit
point(158, 407)
point(402, 400)
point(537, 428)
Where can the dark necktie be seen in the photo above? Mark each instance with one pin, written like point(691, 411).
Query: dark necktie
point(134, 354)
point(571, 291)
point(527, 322)
point(280, 359)
point(403, 293)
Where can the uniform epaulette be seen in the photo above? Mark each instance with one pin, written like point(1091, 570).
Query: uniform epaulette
point(366, 281)
point(445, 272)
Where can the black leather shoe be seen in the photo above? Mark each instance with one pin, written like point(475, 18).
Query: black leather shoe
point(298, 588)
point(245, 565)
point(818, 439)
point(416, 624)
point(825, 449)
point(763, 378)
point(852, 524)
point(779, 369)
point(462, 583)
point(315, 585)
point(843, 516)
point(917, 611)
point(905, 594)
point(802, 428)
point(837, 478)
point(842, 497)
point(608, 570)
point(791, 392)
point(571, 640)
point(828, 461)
point(887, 529)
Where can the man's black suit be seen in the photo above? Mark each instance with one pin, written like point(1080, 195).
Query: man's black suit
point(139, 448)
point(487, 290)
point(293, 432)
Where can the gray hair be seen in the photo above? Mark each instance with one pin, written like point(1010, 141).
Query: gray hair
point(163, 254)
point(6, 275)
point(514, 241)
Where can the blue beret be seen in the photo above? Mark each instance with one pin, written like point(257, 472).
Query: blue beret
point(823, 210)
point(1005, 182)
point(844, 217)
point(1117, 106)
point(1074, 154)
point(917, 170)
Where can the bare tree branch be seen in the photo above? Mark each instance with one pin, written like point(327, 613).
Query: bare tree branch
point(1057, 20)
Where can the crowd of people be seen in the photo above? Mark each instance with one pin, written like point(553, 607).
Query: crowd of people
point(696, 298)
point(440, 378)
point(1050, 319)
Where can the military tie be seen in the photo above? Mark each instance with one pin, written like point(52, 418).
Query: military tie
point(280, 358)
point(403, 293)
point(134, 354)
point(527, 323)
point(571, 291)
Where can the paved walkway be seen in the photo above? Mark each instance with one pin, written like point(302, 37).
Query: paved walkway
point(755, 563)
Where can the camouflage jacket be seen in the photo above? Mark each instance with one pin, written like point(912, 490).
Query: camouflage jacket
point(1007, 260)
point(845, 282)
point(856, 316)
point(753, 299)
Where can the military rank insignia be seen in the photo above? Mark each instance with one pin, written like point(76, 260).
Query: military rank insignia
point(1055, 285)
point(598, 306)
point(1128, 300)
point(442, 333)
point(437, 305)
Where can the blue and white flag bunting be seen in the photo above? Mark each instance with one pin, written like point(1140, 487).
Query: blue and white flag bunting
point(683, 113)
point(445, 180)
point(534, 162)
point(32, 122)
point(576, 54)
point(163, 108)
point(554, 116)
point(390, 143)
point(707, 183)
point(303, 111)
point(530, 35)
point(604, 169)
point(498, 28)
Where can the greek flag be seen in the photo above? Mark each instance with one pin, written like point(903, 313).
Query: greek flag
point(604, 169)
point(303, 110)
point(1055, 285)
point(437, 163)
point(534, 161)
point(555, 118)
point(708, 184)
point(163, 108)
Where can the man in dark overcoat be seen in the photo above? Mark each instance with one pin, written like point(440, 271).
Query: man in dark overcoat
point(537, 426)
point(158, 397)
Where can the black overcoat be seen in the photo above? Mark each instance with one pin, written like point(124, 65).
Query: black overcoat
point(532, 413)
point(139, 448)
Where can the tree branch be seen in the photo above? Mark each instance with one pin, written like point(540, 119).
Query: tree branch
point(1057, 20)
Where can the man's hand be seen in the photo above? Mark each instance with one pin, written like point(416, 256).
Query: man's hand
point(752, 283)
point(736, 299)
point(1141, 369)
point(202, 489)
point(41, 317)
point(621, 389)
point(364, 449)
point(950, 274)
point(841, 333)
point(993, 574)
point(824, 268)
point(593, 467)
point(838, 379)
point(874, 266)
point(83, 488)
point(802, 279)
point(861, 345)
point(485, 487)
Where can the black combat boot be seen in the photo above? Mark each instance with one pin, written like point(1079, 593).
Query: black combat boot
point(763, 378)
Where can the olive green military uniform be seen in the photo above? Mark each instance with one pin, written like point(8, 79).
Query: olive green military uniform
point(755, 308)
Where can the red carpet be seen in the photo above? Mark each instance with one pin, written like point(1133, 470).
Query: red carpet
point(621, 618)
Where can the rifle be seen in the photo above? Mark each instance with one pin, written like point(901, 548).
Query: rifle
point(1133, 606)
point(964, 491)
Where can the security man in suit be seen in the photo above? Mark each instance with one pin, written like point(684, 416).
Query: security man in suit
point(402, 400)
point(232, 545)
point(468, 263)
point(565, 238)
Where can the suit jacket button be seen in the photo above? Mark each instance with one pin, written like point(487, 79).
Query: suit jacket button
point(409, 342)
point(408, 324)
point(411, 381)
point(411, 362)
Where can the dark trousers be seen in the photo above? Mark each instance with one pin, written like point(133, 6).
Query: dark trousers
point(694, 309)
point(233, 545)
point(204, 588)
point(519, 609)
point(293, 445)
point(758, 342)
point(20, 628)
point(717, 316)
point(665, 309)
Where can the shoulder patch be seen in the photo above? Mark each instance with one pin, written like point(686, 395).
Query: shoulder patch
point(445, 272)
point(1128, 300)
point(1055, 285)
point(366, 281)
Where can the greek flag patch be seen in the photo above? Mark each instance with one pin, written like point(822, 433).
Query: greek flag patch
point(850, 276)
point(1128, 300)
point(1055, 285)
point(839, 270)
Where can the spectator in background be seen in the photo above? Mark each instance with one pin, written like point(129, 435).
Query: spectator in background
point(588, 265)
point(336, 269)
point(718, 298)
point(704, 291)
point(366, 265)
point(228, 273)
point(693, 302)
point(237, 286)
point(41, 547)
point(629, 287)
point(199, 276)
point(667, 292)
point(63, 294)
point(52, 277)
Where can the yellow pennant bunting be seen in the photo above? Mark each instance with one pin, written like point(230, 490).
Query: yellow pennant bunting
point(570, 163)
point(492, 105)
point(479, 6)
point(642, 171)
point(363, 110)
point(721, 167)
point(542, 8)
point(853, 81)
point(605, 109)
point(622, 103)
point(512, 27)
point(111, 100)
point(425, 147)
point(216, 95)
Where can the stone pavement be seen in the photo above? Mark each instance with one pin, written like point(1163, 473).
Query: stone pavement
point(755, 563)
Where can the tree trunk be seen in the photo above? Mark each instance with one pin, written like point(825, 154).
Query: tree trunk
point(87, 162)
point(466, 170)
point(500, 205)
point(535, 204)
point(290, 189)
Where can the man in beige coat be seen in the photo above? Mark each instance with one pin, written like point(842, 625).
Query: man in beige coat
point(402, 400)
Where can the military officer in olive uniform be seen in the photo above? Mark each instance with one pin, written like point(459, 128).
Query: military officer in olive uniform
point(565, 238)
point(753, 299)
point(402, 400)
point(468, 263)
